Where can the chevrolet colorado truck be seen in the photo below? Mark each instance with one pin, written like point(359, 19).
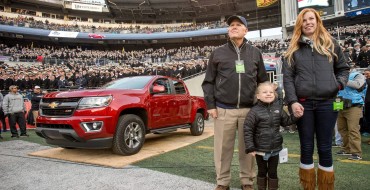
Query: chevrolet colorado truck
point(119, 114)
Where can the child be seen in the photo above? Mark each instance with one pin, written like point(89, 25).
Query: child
point(261, 134)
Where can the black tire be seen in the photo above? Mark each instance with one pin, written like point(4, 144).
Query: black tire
point(68, 147)
point(129, 136)
point(197, 127)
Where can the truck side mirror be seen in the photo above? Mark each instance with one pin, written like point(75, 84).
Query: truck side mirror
point(158, 89)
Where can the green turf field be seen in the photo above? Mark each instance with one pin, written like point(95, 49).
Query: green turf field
point(196, 161)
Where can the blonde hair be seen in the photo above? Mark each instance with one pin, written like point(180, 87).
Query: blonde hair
point(264, 84)
point(322, 40)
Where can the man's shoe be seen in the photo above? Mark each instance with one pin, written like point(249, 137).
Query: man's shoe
point(24, 135)
point(14, 136)
point(365, 134)
point(343, 153)
point(354, 157)
point(221, 187)
point(247, 187)
point(335, 145)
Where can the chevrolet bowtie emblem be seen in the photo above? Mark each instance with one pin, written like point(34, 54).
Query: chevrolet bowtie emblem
point(53, 105)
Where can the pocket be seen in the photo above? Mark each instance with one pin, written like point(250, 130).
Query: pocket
point(221, 113)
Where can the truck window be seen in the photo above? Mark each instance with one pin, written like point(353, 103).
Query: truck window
point(179, 87)
point(129, 83)
point(165, 83)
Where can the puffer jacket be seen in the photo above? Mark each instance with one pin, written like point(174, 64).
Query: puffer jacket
point(262, 125)
point(222, 84)
point(311, 76)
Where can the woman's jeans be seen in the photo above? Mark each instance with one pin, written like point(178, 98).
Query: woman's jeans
point(318, 118)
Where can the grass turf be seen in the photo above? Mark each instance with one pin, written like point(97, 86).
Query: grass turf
point(196, 161)
point(32, 137)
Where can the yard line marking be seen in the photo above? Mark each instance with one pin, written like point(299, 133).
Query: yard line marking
point(205, 147)
point(297, 156)
point(356, 161)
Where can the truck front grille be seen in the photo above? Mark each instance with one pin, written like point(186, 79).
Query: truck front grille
point(58, 107)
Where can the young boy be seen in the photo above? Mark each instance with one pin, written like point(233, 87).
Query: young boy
point(262, 137)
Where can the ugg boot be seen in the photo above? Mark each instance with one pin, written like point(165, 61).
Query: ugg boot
point(273, 184)
point(307, 178)
point(325, 179)
point(262, 183)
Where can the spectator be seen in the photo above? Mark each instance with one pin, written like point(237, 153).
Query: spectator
point(228, 104)
point(62, 82)
point(310, 92)
point(13, 106)
point(349, 118)
point(2, 115)
point(35, 102)
point(365, 128)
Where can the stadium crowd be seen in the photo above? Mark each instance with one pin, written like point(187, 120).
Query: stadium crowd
point(73, 75)
point(29, 21)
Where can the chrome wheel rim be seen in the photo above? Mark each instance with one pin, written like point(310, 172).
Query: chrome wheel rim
point(200, 124)
point(133, 135)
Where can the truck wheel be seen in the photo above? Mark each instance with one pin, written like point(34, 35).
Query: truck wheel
point(129, 136)
point(197, 127)
point(68, 147)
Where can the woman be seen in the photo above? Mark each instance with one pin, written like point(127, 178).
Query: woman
point(314, 70)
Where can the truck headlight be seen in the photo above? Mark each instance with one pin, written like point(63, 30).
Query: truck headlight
point(94, 102)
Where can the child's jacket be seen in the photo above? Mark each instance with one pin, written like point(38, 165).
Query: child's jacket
point(262, 125)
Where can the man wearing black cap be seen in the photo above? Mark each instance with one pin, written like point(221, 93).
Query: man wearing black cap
point(232, 75)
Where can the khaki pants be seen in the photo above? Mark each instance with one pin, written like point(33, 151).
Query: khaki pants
point(35, 114)
point(230, 121)
point(348, 127)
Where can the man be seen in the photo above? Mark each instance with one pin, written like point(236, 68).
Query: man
point(232, 75)
point(13, 106)
point(349, 118)
point(365, 128)
point(355, 54)
point(2, 114)
point(35, 102)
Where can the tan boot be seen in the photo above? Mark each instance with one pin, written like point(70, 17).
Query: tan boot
point(307, 178)
point(262, 183)
point(273, 184)
point(325, 180)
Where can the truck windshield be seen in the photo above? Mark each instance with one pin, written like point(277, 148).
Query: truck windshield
point(129, 83)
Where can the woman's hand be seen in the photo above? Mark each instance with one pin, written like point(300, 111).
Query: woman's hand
point(253, 153)
point(297, 109)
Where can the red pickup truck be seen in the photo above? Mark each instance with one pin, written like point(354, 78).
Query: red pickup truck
point(119, 114)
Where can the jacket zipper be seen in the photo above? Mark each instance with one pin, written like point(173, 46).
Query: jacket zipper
point(271, 127)
point(313, 70)
point(238, 52)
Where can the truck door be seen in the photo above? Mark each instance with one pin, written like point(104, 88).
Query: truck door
point(182, 111)
point(161, 105)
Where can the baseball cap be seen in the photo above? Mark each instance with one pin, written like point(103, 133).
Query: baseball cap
point(37, 86)
point(240, 18)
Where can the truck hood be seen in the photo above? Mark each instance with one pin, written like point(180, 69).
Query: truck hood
point(91, 93)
